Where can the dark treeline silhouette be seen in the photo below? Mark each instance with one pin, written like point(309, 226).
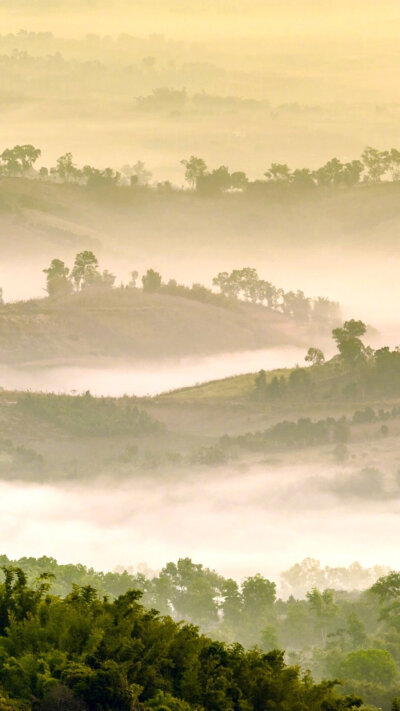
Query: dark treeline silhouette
point(110, 652)
point(373, 166)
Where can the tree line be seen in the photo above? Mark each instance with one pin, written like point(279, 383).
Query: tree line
point(373, 166)
point(296, 581)
point(238, 285)
point(305, 432)
point(246, 284)
point(87, 650)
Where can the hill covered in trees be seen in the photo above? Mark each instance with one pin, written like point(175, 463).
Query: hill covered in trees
point(82, 651)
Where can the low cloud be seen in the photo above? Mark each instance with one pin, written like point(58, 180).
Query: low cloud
point(239, 522)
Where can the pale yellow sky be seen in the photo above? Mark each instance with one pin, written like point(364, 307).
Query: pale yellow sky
point(200, 20)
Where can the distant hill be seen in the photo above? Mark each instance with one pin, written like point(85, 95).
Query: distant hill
point(232, 421)
point(38, 216)
point(291, 239)
point(128, 324)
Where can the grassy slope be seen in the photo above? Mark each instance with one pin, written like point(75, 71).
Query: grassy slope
point(220, 391)
point(230, 406)
point(191, 238)
point(193, 418)
point(36, 216)
point(130, 324)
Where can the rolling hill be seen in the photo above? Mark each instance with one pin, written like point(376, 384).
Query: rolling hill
point(130, 325)
point(289, 238)
point(315, 414)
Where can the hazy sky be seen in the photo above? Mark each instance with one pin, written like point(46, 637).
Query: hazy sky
point(193, 19)
point(341, 54)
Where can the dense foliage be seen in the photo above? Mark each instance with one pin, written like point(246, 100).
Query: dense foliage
point(86, 415)
point(70, 627)
point(82, 652)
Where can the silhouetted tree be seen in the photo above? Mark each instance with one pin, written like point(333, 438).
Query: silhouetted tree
point(84, 269)
point(65, 169)
point(194, 169)
point(18, 160)
point(315, 356)
point(239, 180)
point(279, 173)
point(376, 163)
point(218, 181)
point(133, 280)
point(151, 281)
point(57, 279)
point(348, 340)
point(260, 382)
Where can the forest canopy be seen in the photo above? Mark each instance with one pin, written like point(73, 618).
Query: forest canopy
point(83, 652)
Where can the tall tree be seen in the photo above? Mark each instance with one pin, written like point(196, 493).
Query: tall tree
point(84, 269)
point(376, 163)
point(66, 169)
point(151, 281)
point(348, 340)
point(315, 356)
point(57, 281)
point(194, 169)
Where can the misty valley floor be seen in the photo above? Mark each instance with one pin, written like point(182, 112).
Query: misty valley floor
point(242, 518)
point(160, 494)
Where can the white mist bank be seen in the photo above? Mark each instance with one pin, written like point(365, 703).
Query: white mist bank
point(152, 377)
point(264, 519)
point(146, 377)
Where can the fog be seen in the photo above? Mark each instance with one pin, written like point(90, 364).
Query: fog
point(365, 283)
point(246, 84)
point(207, 19)
point(144, 378)
point(239, 522)
point(325, 77)
point(264, 83)
point(193, 190)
